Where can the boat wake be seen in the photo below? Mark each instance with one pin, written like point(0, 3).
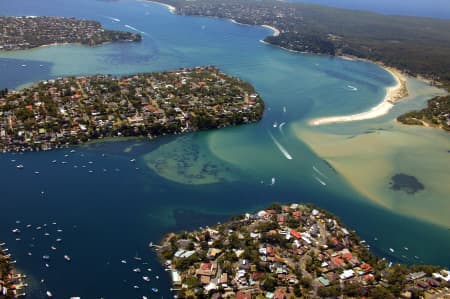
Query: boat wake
point(352, 88)
point(280, 127)
point(280, 147)
point(319, 172)
point(135, 29)
point(112, 19)
point(320, 181)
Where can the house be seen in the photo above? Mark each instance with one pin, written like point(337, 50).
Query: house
point(244, 295)
point(295, 234)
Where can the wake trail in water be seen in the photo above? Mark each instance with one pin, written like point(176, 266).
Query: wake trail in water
point(280, 147)
point(319, 172)
point(320, 181)
point(113, 19)
point(135, 29)
point(280, 127)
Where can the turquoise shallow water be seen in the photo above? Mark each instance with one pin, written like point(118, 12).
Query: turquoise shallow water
point(112, 212)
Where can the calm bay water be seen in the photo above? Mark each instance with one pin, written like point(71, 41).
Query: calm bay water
point(110, 208)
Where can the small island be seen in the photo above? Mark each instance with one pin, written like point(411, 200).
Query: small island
point(436, 114)
point(11, 283)
point(73, 110)
point(289, 251)
point(21, 33)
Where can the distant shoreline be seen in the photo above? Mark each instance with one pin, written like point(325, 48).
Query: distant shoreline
point(393, 95)
point(171, 8)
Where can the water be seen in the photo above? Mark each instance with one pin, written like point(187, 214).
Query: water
point(421, 8)
point(111, 208)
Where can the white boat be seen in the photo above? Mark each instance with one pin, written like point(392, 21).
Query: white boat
point(67, 258)
point(284, 109)
point(275, 124)
point(123, 261)
point(20, 166)
point(136, 287)
point(273, 181)
point(391, 250)
point(133, 160)
point(352, 88)
point(59, 240)
point(53, 248)
point(137, 270)
point(146, 278)
point(49, 294)
point(16, 231)
point(406, 248)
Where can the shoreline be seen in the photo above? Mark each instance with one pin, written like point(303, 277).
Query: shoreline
point(394, 94)
point(276, 32)
point(171, 8)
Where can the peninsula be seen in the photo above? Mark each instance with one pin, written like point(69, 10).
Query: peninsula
point(72, 110)
point(290, 251)
point(21, 33)
point(436, 114)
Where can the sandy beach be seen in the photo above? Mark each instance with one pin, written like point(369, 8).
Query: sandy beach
point(393, 94)
point(170, 7)
point(276, 32)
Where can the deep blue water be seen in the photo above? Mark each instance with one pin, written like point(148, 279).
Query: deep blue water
point(110, 208)
point(421, 8)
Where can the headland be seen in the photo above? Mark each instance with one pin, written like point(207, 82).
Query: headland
point(72, 110)
point(21, 33)
point(295, 251)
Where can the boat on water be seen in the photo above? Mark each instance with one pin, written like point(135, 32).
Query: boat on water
point(284, 109)
point(20, 166)
point(352, 88)
point(406, 248)
point(137, 258)
point(391, 250)
point(123, 261)
point(137, 270)
point(49, 294)
point(272, 181)
point(275, 124)
point(133, 160)
point(136, 287)
point(67, 258)
point(46, 257)
point(59, 240)
point(155, 290)
point(16, 231)
point(146, 278)
point(53, 248)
